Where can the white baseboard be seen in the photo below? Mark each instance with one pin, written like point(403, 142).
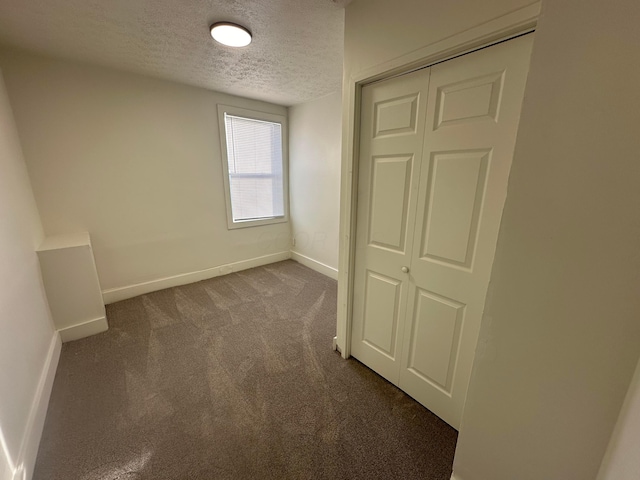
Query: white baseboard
point(37, 413)
point(315, 265)
point(85, 329)
point(122, 293)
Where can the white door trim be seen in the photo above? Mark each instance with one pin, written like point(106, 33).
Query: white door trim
point(518, 22)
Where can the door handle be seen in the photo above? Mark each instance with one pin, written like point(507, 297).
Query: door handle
point(405, 269)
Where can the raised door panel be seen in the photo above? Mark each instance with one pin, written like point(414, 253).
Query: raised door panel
point(468, 100)
point(392, 130)
point(454, 206)
point(435, 335)
point(396, 116)
point(390, 189)
point(381, 313)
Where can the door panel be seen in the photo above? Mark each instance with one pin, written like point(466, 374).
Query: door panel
point(468, 100)
point(392, 134)
point(381, 310)
point(454, 206)
point(390, 190)
point(437, 323)
point(396, 116)
point(472, 117)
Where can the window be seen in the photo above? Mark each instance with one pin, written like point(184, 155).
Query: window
point(255, 173)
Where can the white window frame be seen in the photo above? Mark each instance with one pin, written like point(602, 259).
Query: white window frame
point(266, 117)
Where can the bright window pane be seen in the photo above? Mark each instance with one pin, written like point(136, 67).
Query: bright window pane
point(254, 153)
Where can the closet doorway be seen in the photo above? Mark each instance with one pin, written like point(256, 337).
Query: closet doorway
point(434, 156)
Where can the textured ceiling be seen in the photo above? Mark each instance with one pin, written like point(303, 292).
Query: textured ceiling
point(296, 54)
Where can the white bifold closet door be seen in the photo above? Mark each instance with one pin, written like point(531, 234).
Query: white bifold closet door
point(435, 150)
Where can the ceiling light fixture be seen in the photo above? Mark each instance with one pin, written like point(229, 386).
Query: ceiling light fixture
point(230, 34)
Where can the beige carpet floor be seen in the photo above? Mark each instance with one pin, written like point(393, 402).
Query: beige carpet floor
point(232, 378)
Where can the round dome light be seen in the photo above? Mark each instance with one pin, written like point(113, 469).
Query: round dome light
point(230, 34)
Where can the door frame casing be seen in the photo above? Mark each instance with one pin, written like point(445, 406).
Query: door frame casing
point(516, 23)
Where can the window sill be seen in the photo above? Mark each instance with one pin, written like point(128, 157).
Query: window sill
point(256, 223)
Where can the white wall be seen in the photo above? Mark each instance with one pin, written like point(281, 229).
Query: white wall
point(26, 330)
point(622, 461)
point(560, 338)
point(377, 31)
point(314, 164)
point(134, 161)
